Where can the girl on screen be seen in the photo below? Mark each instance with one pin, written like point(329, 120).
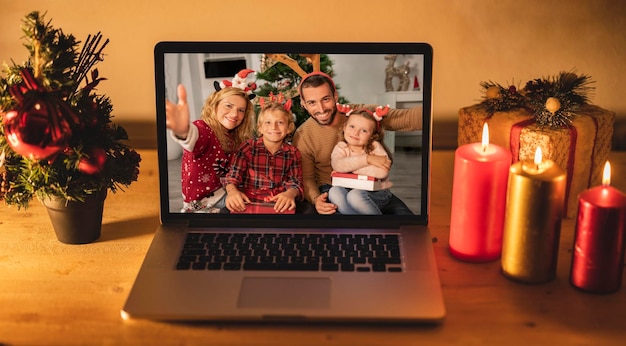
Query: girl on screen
point(361, 151)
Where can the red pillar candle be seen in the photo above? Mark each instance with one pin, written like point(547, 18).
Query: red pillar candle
point(478, 200)
point(599, 240)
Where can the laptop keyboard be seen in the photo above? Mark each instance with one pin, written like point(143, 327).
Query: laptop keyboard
point(292, 252)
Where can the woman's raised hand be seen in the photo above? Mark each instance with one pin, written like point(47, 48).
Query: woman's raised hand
point(177, 114)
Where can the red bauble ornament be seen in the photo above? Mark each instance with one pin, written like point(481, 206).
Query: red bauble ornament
point(28, 134)
point(38, 127)
point(94, 163)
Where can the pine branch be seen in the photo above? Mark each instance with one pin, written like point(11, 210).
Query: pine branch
point(498, 98)
point(571, 91)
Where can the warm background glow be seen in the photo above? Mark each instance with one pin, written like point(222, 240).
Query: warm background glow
point(474, 41)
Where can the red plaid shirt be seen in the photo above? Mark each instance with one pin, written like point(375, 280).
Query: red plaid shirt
point(260, 174)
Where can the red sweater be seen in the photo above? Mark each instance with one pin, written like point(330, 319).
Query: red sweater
point(203, 167)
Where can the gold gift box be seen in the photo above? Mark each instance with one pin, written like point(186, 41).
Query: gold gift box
point(581, 150)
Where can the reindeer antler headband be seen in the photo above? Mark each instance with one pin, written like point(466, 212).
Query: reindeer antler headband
point(378, 113)
point(316, 73)
point(280, 98)
point(314, 59)
point(239, 81)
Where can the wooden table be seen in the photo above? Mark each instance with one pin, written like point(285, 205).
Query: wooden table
point(51, 293)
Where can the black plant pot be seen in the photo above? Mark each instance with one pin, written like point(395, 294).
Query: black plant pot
point(76, 222)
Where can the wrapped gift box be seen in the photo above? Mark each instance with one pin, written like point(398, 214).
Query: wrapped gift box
point(356, 181)
point(261, 208)
point(582, 149)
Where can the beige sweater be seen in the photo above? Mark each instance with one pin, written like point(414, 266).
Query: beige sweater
point(316, 143)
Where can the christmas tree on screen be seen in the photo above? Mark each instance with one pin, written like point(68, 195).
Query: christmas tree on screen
point(283, 79)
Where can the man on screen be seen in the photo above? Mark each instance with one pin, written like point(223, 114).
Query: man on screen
point(317, 136)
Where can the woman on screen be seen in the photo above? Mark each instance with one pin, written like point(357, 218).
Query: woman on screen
point(210, 142)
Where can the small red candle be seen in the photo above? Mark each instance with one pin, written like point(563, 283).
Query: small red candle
point(478, 200)
point(599, 240)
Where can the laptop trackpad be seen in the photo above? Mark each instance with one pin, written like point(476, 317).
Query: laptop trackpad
point(262, 292)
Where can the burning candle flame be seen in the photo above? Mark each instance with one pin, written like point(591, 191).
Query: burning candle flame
point(606, 175)
point(538, 156)
point(485, 137)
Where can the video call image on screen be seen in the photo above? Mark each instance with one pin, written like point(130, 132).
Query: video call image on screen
point(360, 79)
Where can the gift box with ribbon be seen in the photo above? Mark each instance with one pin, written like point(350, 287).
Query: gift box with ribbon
point(580, 145)
point(356, 181)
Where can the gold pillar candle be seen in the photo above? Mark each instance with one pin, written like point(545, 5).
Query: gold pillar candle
point(532, 222)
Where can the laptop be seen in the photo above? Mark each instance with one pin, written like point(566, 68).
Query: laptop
point(308, 267)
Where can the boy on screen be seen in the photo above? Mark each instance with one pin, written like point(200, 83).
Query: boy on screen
point(267, 169)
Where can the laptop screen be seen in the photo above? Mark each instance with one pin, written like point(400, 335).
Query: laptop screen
point(394, 74)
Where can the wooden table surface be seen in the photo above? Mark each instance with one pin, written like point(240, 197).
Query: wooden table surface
point(56, 294)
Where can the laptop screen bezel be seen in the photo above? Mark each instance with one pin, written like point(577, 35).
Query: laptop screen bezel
point(294, 220)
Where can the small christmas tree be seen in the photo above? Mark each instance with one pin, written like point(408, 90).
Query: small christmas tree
point(57, 138)
point(283, 79)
